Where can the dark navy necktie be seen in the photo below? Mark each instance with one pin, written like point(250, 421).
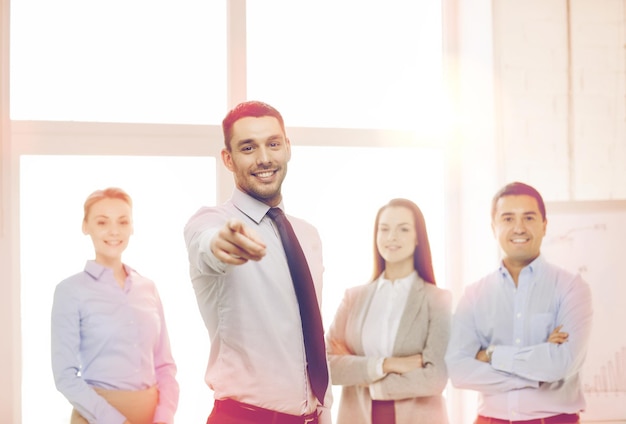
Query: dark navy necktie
point(307, 300)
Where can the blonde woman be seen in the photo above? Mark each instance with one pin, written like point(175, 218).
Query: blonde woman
point(111, 354)
point(387, 342)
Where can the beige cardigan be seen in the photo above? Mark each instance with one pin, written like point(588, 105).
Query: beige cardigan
point(424, 328)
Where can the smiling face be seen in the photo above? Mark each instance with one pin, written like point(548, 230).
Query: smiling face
point(258, 157)
point(109, 224)
point(519, 228)
point(396, 237)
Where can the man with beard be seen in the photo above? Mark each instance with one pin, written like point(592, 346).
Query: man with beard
point(259, 366)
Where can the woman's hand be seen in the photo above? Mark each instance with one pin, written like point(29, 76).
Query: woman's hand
point(402, 364)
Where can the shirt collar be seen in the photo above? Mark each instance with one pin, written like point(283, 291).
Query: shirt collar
point(533, 267)
point(382, 281)
point(97, 270)
point(251, 207)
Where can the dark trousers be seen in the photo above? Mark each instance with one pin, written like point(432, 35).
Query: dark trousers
point(229, 411)
point(555, 419)
point(383, 412)
point(217, 418)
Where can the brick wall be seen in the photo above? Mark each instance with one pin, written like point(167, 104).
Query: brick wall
point(560, 73)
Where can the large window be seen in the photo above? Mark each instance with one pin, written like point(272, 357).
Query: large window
point(344, 64)
point(118, 61)
point(348, 63)
point(340, 189)
point(352, 79)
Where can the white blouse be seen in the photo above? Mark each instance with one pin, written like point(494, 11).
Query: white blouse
point(384, 314)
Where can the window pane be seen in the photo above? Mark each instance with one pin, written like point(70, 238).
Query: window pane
point(52, 192)
point(339, 190)
point(118, 61)
point(347, 63)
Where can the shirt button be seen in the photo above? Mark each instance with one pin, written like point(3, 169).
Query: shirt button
point(519, 314)
point(517, 341)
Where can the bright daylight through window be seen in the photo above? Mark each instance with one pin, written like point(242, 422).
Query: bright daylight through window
point(146, 62)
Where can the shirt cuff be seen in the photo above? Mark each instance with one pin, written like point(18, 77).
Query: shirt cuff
point(379, 368)
point(376, 390)
point(502, 358)
point(207, 256)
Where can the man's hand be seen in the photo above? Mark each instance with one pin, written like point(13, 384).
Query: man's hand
point(557, 336)
point(236, 244)
point(482, 356)
point(400, 365)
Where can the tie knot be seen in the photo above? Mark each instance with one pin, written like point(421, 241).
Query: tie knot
point(275, 213)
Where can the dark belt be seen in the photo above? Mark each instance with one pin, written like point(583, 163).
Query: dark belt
point(554, 419)
point(245, 411)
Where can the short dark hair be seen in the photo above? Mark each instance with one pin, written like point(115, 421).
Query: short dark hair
point(251, 108)
point(518, 189)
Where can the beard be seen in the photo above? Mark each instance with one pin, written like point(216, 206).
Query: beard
point(268, 193)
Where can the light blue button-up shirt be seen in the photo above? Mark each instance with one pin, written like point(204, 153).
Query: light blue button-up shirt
point(528, 377)
point(110, 337)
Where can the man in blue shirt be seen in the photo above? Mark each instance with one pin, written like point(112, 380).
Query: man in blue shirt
point(520, 334)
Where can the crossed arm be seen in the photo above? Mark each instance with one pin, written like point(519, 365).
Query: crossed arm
point(558, 356)
point(418, 374)
point(557, 337)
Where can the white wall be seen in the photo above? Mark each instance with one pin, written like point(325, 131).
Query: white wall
point(9, 300)
point(542, 99)
point(561, 79)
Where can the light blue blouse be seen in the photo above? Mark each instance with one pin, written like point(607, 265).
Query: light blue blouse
point(110, 337)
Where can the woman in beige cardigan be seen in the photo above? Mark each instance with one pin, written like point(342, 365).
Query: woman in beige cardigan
point(387, 342)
